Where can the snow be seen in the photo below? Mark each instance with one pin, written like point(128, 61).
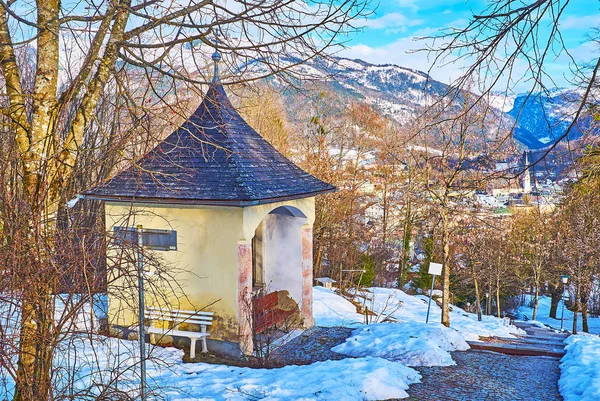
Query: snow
point(543, 314)
point(415, 344)
point(101, 360)
point(329, 309)
point(408, 339)
point(346, 379)
point(501, 102)
point(402, 307)
point(379, 370)
point(580, 369)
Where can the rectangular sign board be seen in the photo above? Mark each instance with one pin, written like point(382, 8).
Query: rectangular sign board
point(158, 240)
point(435, 268)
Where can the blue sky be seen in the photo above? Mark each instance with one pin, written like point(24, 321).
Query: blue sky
point(388, 36)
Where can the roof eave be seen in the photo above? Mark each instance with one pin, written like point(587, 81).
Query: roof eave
point(203, 202)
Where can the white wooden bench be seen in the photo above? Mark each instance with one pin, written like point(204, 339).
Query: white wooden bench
point(177, 317)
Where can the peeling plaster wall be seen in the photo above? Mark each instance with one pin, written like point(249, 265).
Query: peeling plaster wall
point(207, 239)
point(283, 254)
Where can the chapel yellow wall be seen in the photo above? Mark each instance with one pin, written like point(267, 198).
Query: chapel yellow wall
point(207, 240)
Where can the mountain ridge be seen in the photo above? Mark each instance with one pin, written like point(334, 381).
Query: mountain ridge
point(402, 92)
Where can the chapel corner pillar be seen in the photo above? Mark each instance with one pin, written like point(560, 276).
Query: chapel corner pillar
point(244, 261)
point(307, 276)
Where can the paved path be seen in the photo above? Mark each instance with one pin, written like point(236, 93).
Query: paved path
point(492, 376)
point(478, 375)
point(313, 345)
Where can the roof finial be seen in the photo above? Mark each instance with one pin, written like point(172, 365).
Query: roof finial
point(216, 58)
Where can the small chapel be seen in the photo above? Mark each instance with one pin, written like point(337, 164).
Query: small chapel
point(241, 214)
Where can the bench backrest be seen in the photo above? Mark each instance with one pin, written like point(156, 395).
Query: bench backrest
point(180, 316)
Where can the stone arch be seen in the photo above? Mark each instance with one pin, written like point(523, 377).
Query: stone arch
point(254, 215)
point(301, 210)
point(277, 252)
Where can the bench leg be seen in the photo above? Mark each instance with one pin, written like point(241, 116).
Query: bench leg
point(203, 329)
point(193, 347)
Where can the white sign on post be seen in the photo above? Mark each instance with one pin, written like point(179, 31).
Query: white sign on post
point(435, 269)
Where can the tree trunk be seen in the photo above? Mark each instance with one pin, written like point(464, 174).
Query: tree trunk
point(554, 303)
point(446, 270)
point(575, 310)
point(35, 357)
point(584, 311)
point(535, 302)
point(477, 302)
point(498, 299)
point(384, 225)
point(405, 246)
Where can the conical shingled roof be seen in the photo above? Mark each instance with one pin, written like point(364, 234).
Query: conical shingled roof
point(215, 157)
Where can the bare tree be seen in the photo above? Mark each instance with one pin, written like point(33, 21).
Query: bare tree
point(61, 62)
point(457, 146)
point(509, 46)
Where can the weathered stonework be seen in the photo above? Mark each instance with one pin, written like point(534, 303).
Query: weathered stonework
point(307, 276)
point(244, 257)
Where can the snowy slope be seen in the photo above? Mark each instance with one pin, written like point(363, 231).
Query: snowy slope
point(544, 118)
point(403, 93)
point(409, 340)
point(580, 369)
point(543, 314)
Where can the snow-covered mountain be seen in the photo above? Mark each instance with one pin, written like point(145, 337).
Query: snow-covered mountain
point(544, 118)
point(402, 92)
point(398, 92)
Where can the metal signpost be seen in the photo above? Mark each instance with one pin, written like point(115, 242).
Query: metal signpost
point(158, 240)
point(564, 279)
point(435, 269)
point(140, 274)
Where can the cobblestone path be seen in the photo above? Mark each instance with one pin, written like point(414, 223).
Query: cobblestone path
point(313, 345)
point(492, 376)
point(489, 376)
point(477, 376)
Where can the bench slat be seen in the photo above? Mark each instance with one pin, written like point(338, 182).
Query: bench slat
point(181, 311)
point(179, 333)
point(178, 317)
point(175, 317)
point(201, 322)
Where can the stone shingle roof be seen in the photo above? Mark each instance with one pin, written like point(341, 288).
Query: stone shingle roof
point(215, 157)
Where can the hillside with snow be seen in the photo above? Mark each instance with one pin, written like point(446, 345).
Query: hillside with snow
point(403, 93)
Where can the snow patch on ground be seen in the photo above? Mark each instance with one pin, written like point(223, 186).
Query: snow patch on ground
point(404, 336)
point(103, 360)
point(406, 308)
point(346, 379)
point(330, 309)
point(543, 313)
point(413, 344)
point(580, 369)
